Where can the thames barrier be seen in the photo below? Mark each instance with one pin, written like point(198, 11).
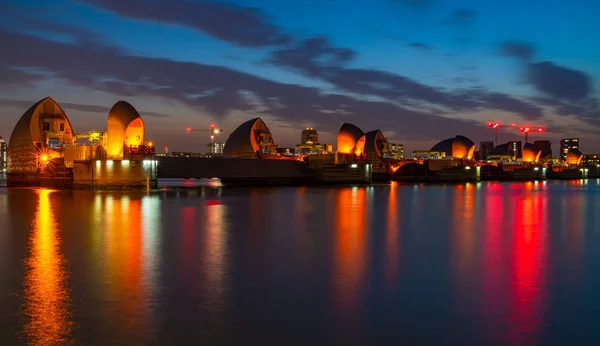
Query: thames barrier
point(44, 150)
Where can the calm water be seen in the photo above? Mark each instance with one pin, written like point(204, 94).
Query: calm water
point(474, 264)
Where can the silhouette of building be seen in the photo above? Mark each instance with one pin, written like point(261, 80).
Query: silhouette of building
point(484, 149)
point(546, 147)
point(2, 155)
point(215, 149)
point(566, 145)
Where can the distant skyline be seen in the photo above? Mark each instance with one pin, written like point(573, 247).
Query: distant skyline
point(419, 70)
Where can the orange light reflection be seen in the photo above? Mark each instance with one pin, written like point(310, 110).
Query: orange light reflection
point(350, 251)
point(46, 294)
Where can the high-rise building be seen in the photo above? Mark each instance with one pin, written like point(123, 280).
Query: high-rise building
point(484, 149)
point(546, 147)
point(215, 149)
point(567, 144)
point(309, 143)
point(515, 149)
point(396, 151)
point(309, 136)
point(3, 158)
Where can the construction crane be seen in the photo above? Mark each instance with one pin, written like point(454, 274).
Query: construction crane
point(213, 131)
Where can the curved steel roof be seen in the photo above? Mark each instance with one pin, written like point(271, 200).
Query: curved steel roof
point(531, 153)
point(459, 147)
point(21, 148)
point(347, 137)
point(123, 113)
point(242, 141)
point(373, 143)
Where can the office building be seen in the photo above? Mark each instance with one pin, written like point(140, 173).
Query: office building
point(3, 158)
point(309, 136)
point(567, 144)
point(515, 149)
point(215, 149)
point(309, 143)
point(484, 148)
point(396, 151)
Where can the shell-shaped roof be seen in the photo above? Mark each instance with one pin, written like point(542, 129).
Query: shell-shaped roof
point(531, 153)
point(574, 157)
point(374, 142)
point(22, 152)
point(122, 113)
point(348, 136)
point(502, 149)
point(459, 147)
point(243, 141)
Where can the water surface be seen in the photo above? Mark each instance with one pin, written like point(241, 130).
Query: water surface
point(470, 264)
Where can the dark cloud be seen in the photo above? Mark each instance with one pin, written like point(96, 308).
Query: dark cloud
point(516, 49)
point(72, 106)
point(240, 25)
point(314, 56)
point(557, 81)
point(419, 45)
point(306, 58)
point(462, 16)
point(219, 89)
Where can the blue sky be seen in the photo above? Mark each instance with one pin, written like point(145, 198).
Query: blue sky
point(419, 70)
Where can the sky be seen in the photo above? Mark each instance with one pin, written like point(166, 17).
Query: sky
point(419, 70)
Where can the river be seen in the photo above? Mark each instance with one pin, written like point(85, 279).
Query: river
point(466, 264)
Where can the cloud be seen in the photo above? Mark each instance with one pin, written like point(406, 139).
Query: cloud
point(557, 81)
point(419, 45)
point(462, 16)
point(307, 59)
point(516, 49)
point(72, 106)
point(243, 26)
point(218, 89)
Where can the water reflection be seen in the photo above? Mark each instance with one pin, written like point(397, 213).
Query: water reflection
point(128, 248)
point(392, 234)
point(528, 296)
point(46, 295)
point(350, 251)
point(214, 257)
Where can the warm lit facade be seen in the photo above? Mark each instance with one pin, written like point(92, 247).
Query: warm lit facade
point(573, 157)
point(566, 145)
point(591, 159)
point(459, 147)
point(251, 139)
point(531, 153)
point(348, 137)
point(309, 143)
point(427, 155)
point(125, 131)
point(40, 135)
point(3, 155)
point(396, 151)
point(309, 136)
point(507, 152)
point(45, 151)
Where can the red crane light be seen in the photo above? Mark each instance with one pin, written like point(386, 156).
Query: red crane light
point(490, 124)
point(513, 124)
point(540, 129)
point(188, 129)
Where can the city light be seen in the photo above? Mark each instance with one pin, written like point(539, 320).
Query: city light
point(45, 158)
